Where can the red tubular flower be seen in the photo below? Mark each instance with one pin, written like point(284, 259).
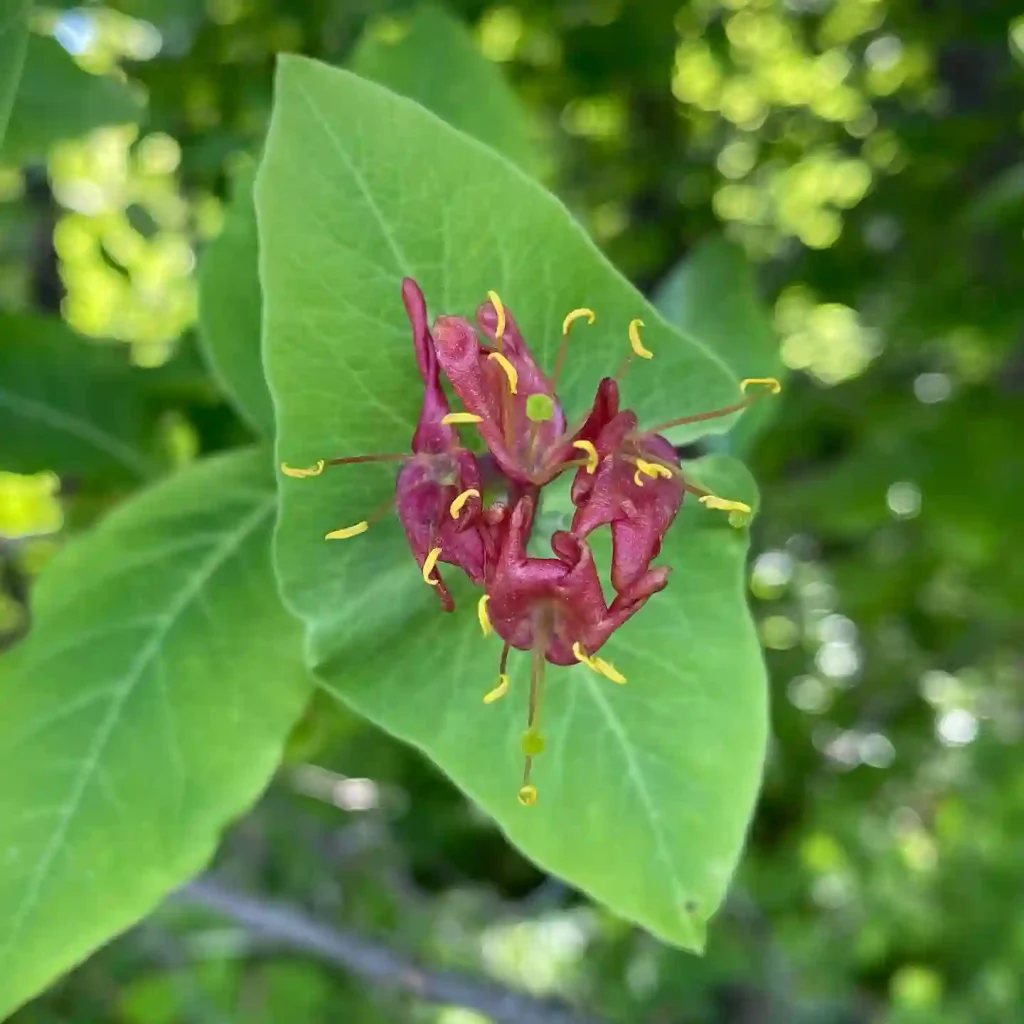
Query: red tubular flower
point(634, 484)
point(557, 603)
point(504, 391)
point(438, 493)
point(555, 608)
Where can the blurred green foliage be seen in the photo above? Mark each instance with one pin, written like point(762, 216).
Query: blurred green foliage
point(867, 156)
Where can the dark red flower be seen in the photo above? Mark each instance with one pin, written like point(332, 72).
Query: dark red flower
point(557, 603)
point(506, 394)
point(439, 492)
point(633, 484)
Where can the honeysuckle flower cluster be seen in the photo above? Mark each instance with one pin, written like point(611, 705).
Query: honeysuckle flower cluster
point(476, 511)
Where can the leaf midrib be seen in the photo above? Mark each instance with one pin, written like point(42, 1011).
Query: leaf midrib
point(188, 593)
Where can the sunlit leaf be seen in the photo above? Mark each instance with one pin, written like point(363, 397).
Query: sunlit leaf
point(647, 789)
point(147, 708)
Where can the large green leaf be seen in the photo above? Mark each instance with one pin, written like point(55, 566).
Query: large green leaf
point(66, 403)
point(434, 60)
point(647, 790)
point(57, 100)
point(13, 43)
point(714, 295)
point(229, 309)
point(147, 708)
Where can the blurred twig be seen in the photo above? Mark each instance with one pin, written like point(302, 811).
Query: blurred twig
point(290, 928)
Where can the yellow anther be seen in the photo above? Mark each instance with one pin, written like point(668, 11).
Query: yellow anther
point(528, 796)
point(485, 620)
point(510, 370)
point(769, 382)
point(592, 459)
point(348, 531)
point(575, 315)
point(724, 504)
point(428, 566)
point(598, 665)
point(461, 417)
point(499, 691)
point(299, 473)
point(608, 670)
point(499, 308)
point(651, 469)
point(635, 342)
point(456, 506)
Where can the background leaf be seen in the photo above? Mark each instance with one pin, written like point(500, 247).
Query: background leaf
point(229, 309)
point(434, 60)
point(13, 43)
point(345, 209)
point(57, 100)
point(148, 707)
point(714, 295)
point(68, 404)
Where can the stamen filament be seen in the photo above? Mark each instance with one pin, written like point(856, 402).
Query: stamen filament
point(591, 453)
point(428, 566)
point(773, 388)
point(461, 417)
point(634, 340)
point(318, 467)
point(533, 741)
point(348, 531)
point(567, 323)
point(457, 505)
point(499, 308)
point(510, 371)
point(481, 613)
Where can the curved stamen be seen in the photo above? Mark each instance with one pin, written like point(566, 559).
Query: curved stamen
point(577, 314)
point(457, 505)
point(724, 504)
point(510, 371)
point(481, 613)
point(771, 383)
point(567, 323)
point(651, 469)
point(348, 531)
point(499, 309)
point(461, 417)
point(598, 665)
point(428, 566)
point(591, 453)
point(299, 473)
point(634, 340)
point(499, 691)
